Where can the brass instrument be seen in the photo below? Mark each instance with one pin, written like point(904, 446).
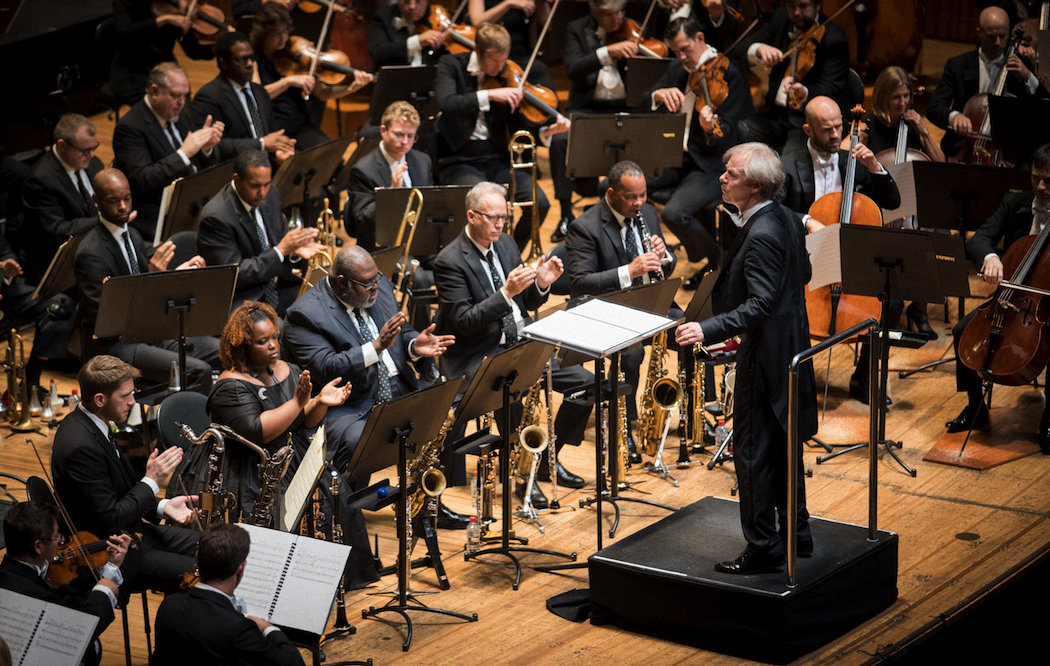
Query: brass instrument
point(20, 420)
point(618, 455)
point(521, 143)
point(319, 266)
point(217, 503)
point(271, 470)
point(423, 472)
point(699, 395)
point(662, 393)
point(408, 221)
point(530, 442)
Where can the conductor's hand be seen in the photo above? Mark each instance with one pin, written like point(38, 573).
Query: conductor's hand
point(548, 271)
point(519, 280)
point(117, 547)
point(961, 125)
point(689, 333)
point(303, 388)
point(332, 394)
point(672, 98)
point(162, 257)
point(993, 270)
point(644, 263)
point(428, 344)
point(389, 333)
point(159, 466)
point(769, 56)
point(180, 509)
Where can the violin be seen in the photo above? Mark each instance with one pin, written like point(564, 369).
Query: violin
point(631, 31)
point(708, 82)
point(333, 66)
point(538, 104)
point(208, 21)
point(458, 38)
point(83, 550)
point(803, 58)
point(311, 7)
point(829, 309)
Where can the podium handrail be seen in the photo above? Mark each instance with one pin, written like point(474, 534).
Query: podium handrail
point(794, 444)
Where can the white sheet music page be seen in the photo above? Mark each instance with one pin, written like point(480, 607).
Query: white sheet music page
point(597, 326)
point(43, 634)
point(824, 256)
point(302, 485)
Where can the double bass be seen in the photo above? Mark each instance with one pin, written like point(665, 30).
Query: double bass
point(828, 308)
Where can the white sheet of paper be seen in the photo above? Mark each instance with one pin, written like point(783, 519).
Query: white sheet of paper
point(904, 175)
point(824, 256)
point(44, 634)
point(302, 485)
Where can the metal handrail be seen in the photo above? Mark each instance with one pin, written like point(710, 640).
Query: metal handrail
point(794, 444)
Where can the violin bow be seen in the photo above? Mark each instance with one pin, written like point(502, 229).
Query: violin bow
point(62, 508)
point(539, 42)
point(320, 43)
point(645, 22)
point(452, 21)
point(795, 46)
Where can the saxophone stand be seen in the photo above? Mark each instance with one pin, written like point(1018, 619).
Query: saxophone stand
point(499, 380)
point(404, 421)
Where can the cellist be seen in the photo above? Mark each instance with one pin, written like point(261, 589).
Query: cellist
point(780, 124)
point(1019, 215)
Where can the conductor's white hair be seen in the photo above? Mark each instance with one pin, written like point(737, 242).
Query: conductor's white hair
point(762, 167)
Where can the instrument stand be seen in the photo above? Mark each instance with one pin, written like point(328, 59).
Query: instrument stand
point(393, 418)
point(658, 467)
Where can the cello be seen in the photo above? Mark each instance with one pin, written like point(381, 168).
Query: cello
point(979, 147)
point(829, 309)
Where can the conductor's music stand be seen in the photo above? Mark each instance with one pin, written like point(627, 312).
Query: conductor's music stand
point(167, 305)
point(598, 141)
point(499, 380)
point(301, 177)
point(392, 430)
point(186, 198)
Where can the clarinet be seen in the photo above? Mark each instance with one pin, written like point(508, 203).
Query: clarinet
point(337, 537)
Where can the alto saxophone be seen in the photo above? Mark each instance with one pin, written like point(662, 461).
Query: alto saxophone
point(217, 503)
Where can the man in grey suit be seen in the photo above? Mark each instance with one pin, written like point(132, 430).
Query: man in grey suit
point(393, 164)
point(243, 225)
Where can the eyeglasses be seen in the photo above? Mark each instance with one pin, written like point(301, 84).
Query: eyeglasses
point(405, 136)
point(60, 539)
point(368, 286)
point(83, 151)
point(501, 219)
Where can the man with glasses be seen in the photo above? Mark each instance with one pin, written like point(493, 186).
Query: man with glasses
point(153, 144)
point(349, 325)
point(241, 104)
point(395, 163)
point(32, 537)
point(243, 225)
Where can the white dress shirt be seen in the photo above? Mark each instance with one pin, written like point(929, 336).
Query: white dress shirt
point(406, 180)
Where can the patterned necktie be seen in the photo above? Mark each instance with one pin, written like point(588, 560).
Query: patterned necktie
point(169, 129)
point(133, 261)
point(631, 244)
point(383, 393)
point(92, 209)
point(270, 292)
point(509, 326)
point(253, 111)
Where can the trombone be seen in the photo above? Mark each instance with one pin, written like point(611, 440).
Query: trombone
point(319, 266)
point(521, 143)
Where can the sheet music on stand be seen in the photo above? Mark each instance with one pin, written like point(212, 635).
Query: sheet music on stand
point(597, 327)
point(293, 504)
point(40, 633)
point(291, 580)
point(904, 175)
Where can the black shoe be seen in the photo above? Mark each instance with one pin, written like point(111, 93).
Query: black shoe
point(1044, 433)
point(692, 283)
point(858, 389)
point(539, 500)
point(450, 520)
point(566, 479)
point(962, 422)
point(917, 317)
point(633, 456)
point(562, 230)
point(749, 563)
point(805, 548)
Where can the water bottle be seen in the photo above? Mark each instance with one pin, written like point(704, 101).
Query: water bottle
point(74, 399)
point(56, 401)
point(473, 536)
point(721, 433)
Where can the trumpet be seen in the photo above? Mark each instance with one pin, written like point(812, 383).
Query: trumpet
point(18, 388)
point(319, 266)
point(521, 143)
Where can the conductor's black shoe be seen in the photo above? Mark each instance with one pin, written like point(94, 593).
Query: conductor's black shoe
point(539, 500)
point(566, 479)
point(450, 520)
point(858, 389)
point(693, 283)
point(1044, 433)
point(977, 415)
point(562, 230)
point(805, 548)
point(633, 456)
point(749, 563)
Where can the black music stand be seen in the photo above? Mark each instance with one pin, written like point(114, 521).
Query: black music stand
point(641, 74)
point(302, 176)
point(598, 141)
point(414, 85)
point(393, 428)
point(887, 264)
point(187, 198)
point(388, 258)
point(442, 217)
point(151, 307)
point(1018, 125)
point(59, 276)
point(341, 179)
point(499, 380)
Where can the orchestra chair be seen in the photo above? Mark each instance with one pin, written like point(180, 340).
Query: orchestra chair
point(185, 248)
point(186, 407)
point(105, 39)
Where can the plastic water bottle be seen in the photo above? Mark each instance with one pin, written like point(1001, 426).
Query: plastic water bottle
point(74, 399)
point(473, 536)
point(721, 433)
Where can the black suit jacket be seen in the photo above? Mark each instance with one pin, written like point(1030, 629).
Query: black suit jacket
point(457, 95)
point(79, 595)
point(470, 308)
point(760, 296)
point(54, 210)
point(1011, 222)
point(218, 99)
point(143, 151)
point(581, 60)
point(372, 171)
point(388, 45)
point(828, 77)
point(799, 186)
point(721, 37)
point(101, 492)
point(99, 257)
point(707, 150)
point(226, 234)
point(320, 337)
point(595, 251)
point(202, 627)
